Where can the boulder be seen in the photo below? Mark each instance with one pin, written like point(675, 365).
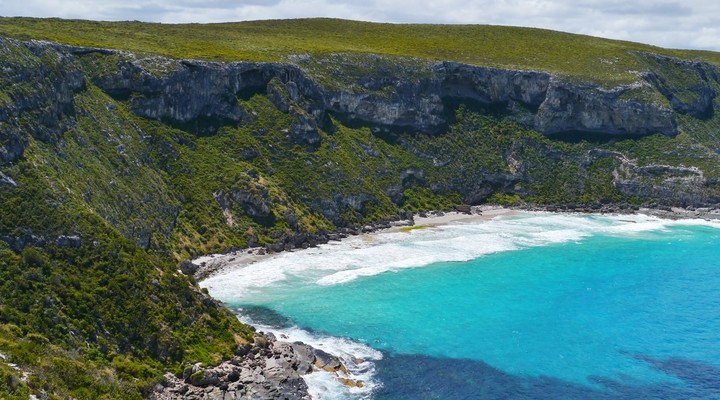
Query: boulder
point(327, 361)
point(463, 208)
point(68, 241)
point(187, 267)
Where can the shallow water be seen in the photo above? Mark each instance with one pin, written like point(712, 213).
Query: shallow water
point(530, 306)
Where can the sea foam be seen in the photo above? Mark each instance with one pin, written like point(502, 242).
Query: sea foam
point(358, 359)
point(362, 256)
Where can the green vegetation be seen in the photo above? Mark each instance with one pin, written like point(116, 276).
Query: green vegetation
point(104, 204)
point(594, 59)
point(95, 315)
point(76, 375)
point(105, 320)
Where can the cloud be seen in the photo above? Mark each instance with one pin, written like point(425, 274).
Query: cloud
point(666, 23)
point(639, 7)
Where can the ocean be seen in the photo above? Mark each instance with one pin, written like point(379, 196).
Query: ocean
point(523, 306)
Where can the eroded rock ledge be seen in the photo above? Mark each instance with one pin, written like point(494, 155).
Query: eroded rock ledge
point(188, 91)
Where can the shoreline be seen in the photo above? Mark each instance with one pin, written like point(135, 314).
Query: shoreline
point(207, 266)
point(312, 358)
point(204, 267)
point(266, 368)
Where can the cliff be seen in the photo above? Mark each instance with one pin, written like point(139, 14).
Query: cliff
point(189, 91)
point(116, 165)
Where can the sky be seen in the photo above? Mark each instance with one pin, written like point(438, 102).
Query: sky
point(688, 24)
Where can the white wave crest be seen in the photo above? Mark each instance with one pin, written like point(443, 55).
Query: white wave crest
point(356, 357)
point(361, 256)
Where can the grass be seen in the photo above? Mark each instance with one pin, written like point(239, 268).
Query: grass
point(595, 59)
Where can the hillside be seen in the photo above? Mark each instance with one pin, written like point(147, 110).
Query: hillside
point(126, 148)
point(584, 57)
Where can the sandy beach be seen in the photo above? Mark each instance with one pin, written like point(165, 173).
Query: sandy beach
point(212, 264)
point(479, 213)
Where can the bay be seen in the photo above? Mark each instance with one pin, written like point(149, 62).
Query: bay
point(532, 305)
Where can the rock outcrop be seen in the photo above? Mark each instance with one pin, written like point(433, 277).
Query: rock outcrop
point(202, 95)
point(686, 185)
point(687, 85)
point(585, 108)
point(266, 369)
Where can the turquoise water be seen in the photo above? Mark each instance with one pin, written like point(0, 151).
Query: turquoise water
point(532, 306)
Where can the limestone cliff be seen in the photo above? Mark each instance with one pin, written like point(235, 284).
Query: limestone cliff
point(43, 77)
point(189, 91)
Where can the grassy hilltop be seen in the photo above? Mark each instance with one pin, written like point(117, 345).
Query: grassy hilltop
point(106, 185)
point(580, 56)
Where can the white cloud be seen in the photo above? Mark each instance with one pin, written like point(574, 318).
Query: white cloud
point(666, 23)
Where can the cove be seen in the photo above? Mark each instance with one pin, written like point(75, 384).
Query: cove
point(532, 305)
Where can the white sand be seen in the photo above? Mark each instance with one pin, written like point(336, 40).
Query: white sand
point(480, 214)
point(215, 263)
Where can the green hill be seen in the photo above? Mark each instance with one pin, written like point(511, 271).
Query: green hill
point(585, 57)
point(127, 148)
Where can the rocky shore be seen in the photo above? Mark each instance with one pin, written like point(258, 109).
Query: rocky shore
point(266, 369)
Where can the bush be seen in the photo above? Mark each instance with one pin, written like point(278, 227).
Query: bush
point(33, 257)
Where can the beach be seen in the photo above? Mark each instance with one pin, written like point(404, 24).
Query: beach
point(212, 264)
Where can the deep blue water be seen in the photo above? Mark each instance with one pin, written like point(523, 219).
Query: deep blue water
point(560, 307)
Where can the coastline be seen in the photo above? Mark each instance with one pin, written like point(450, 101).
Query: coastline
point(254, 371)
point(207, 266)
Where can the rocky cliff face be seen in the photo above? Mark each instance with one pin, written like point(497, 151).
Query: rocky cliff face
point(552, 105)
point(43, 77)
point(689, 86)
point(584, 108)
point(206, 93)
point(203, 95)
